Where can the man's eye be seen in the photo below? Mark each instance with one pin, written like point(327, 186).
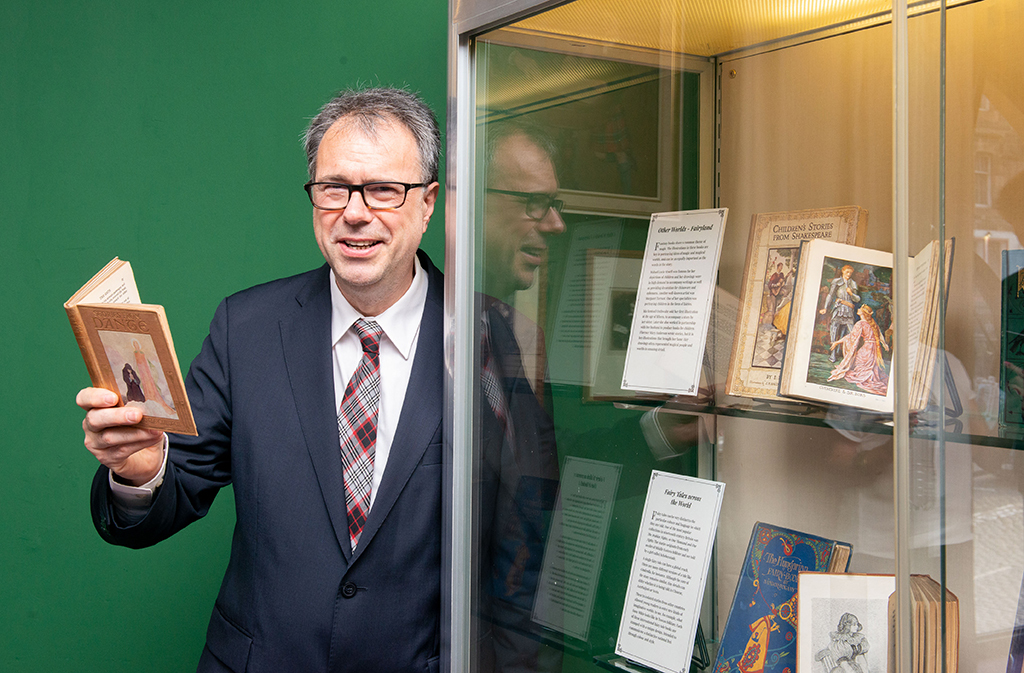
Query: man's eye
point(385, 191)
point(334, 191)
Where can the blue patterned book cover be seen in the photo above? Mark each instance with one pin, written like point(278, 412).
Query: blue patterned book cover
point(760, 633)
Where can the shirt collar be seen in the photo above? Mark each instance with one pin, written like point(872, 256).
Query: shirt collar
point(400, 322)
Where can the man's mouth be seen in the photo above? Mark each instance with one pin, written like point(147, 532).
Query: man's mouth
point(360, 245)
point(534, 254)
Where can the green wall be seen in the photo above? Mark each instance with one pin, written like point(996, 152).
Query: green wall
point(166, 134)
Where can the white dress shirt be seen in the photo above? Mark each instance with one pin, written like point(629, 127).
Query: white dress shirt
point(401, 326)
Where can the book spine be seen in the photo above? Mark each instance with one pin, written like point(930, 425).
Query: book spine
point(82, 337)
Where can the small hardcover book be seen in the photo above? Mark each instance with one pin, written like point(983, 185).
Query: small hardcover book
point(760, 633)
point(127, 348)
point(1011, 373)
point(840, 342)
point(768, 279)
point(932, 649)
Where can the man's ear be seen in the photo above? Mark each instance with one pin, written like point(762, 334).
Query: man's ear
point(429, 199)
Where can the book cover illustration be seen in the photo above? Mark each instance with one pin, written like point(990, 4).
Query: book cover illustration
point(1011, 384)
point(137, 361)
point(760, 633)
point(773, 253)
point(773, 314)
point(850, 348)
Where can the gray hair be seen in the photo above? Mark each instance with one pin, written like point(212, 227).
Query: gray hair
point(500, 131)
point(369, 108)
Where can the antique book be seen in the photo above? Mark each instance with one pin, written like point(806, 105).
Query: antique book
point(839, 346)
point(127, 348)
point(843, 622)
point(928, 641)
point(760, 632)
point(1011, 373)
point(767, 290)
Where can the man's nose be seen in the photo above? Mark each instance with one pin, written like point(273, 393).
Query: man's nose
point(552, 223)
point(356, 211)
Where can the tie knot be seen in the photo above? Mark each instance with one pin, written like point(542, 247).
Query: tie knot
point(369, 333)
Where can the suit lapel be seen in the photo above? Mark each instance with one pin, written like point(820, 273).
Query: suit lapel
point(306, 335)
point(421, 409)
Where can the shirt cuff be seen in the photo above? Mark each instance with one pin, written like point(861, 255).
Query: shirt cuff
point(131, 503)
point(657, 442)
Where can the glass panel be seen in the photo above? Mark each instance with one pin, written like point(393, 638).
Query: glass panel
point(967, 159)
point(619, 129)
point(614, 136)
point(594, 115)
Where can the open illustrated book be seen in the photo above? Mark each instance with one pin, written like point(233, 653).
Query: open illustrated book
point(839, 348)
point(127, 348)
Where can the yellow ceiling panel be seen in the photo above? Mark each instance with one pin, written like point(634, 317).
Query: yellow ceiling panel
point(704, 27)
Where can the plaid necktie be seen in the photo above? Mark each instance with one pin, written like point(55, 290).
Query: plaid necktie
point(492, 383)
point(357, 428)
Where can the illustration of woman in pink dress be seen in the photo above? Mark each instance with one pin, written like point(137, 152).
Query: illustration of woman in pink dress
point(149, 385)
point(862, 364)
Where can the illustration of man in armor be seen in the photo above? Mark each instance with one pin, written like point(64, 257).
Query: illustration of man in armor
point(841, 299)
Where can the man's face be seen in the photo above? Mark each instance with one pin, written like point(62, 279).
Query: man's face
point(515, 243)
point(371, 251)
point(847, 272)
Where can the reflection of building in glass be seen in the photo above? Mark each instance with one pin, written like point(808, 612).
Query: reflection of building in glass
point(998, 162)
point(998, 158)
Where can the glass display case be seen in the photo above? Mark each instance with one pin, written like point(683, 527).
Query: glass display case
point(570, 124)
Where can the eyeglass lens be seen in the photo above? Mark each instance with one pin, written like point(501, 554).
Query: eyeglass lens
point(538, 205)
point(334, 196)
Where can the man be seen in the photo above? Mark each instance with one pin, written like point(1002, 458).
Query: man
point(518, 457)
point(842, 295)
point(521, 211)
point(335, 559)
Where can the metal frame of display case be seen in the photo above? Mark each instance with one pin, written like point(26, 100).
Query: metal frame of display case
point(469, 19)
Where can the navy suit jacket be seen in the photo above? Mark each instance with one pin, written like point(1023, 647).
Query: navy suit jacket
point(294, 596)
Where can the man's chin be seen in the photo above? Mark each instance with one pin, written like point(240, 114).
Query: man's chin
point(524, 280)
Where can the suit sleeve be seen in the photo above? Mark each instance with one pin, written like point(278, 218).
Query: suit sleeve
point(197, 467)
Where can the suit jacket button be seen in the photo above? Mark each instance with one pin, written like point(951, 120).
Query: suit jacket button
point(348, 590)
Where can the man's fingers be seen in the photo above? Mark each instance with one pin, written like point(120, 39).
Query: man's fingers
point(116, 452)
point(98, 419)
point(92, 398)
point(120, 436)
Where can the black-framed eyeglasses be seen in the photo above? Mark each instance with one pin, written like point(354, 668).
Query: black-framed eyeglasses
point(376, 195)
point(537, 203)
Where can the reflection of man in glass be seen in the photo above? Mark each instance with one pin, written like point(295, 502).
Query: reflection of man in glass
point(842, 296)
point(518, 477)
point(520, 210)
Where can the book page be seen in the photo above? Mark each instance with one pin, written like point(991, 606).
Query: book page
point(569, 339)
point(613, 279)
point(669, 572)
point(825, 340)
point(722, 332)
point(920, 270)
point(673, 305)
point(575, 546)
point(118, 288)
